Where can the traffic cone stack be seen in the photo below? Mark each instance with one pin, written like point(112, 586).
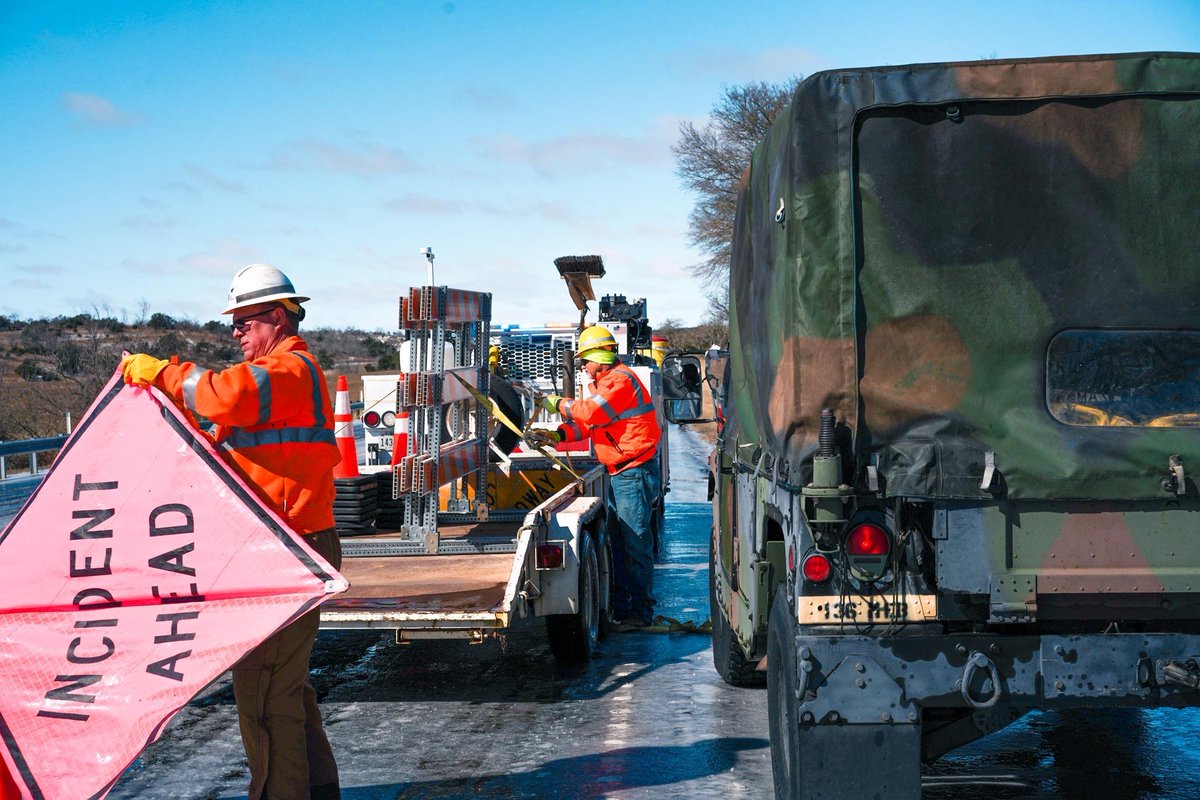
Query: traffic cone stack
point(400, 437)
point(343, 431)
point(355, 502)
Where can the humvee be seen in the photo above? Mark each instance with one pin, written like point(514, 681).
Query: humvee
point(956, 479)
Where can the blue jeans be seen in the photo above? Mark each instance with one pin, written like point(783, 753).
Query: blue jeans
point(631, 498)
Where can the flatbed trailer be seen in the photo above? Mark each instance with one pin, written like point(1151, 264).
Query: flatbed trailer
point(553, 560)
point(483, 543)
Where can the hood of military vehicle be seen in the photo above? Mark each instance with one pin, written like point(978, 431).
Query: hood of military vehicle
point(959, 260)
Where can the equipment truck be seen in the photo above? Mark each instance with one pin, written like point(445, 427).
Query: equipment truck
point(956, 479)
point(477, 529)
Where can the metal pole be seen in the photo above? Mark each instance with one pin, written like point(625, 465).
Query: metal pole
point(428, 253)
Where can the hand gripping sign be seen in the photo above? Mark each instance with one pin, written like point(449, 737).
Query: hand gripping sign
point(140, 570)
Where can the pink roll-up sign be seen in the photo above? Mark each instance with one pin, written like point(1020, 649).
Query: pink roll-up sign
point(139, 571)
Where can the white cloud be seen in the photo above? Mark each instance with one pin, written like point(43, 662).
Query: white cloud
point(141, 222)
point(738, 66)
point(576, 153)
point(488, 98)
point(42, 269)
point(212, 181)
point(29, 283)
point(92, 109)
point(223, 259)
point(362, 158)
point(412, 203)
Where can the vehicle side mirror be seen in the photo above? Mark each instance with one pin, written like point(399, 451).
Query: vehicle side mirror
point(683, 386)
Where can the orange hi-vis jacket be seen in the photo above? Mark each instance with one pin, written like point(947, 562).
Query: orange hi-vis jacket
point(275, 422)
point(619, 416)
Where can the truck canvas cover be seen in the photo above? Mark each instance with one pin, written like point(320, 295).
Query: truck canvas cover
point(962, 259)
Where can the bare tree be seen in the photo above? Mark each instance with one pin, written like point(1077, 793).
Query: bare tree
point(710, 160)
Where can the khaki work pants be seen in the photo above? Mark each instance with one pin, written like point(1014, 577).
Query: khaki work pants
point(290, 758)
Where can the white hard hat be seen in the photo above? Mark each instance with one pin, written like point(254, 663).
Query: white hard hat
point(260, 283)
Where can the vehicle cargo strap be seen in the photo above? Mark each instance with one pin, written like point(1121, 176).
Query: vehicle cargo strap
point(664, 624)
point(480, 397)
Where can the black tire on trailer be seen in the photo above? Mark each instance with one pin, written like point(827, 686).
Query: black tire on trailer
point(510, 403)
point(604, 553)
point(731, 663)
point(783, 707)
point(573, 637)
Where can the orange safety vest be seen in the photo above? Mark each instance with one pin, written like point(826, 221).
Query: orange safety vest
point(619, 416)
point(275, 422)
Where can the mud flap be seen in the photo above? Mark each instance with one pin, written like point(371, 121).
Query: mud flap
point(843, 761)
point(859, 736)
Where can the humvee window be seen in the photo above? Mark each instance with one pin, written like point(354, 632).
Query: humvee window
point(1113, 378)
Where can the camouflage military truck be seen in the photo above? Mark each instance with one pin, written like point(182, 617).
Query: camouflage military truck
point(956, 478)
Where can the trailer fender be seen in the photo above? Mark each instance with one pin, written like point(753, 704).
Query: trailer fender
point(559, 587)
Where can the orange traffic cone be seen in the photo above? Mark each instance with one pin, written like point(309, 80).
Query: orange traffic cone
point(343, 429)
point(400, 437)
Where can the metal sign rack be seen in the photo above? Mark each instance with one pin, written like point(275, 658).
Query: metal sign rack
point(448, 430)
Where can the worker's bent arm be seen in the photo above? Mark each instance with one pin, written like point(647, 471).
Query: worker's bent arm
point(616, 397)
point(245, 394)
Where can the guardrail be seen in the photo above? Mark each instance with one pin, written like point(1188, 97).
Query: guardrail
point(31, 448)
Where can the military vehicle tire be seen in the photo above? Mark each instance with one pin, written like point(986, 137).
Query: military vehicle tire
point(573, 637)
point(732, 665)
point(783, 707)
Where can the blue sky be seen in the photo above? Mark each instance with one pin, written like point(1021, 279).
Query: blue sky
point(149, 149)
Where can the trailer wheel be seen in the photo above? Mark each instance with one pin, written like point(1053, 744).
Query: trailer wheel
point(573, 636)
point(731, 663)
point(604, 553)
point(783, 707)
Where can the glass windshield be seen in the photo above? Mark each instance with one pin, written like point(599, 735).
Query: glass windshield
point(1124, 378)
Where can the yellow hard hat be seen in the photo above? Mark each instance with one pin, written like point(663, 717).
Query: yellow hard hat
point(596, 343)
point(595, 336)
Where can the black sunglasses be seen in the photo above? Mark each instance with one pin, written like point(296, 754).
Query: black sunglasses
point(242, 324)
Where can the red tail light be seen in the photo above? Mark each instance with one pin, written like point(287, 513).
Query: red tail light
point(817, 568)
point(371, 419)
point(868, 540)
point(549, 556)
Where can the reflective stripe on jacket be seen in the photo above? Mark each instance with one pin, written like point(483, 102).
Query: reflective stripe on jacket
point(275, 423)
point(619, 416)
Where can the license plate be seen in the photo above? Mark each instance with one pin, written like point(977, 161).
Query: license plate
point(385, 442)
point(825, 610)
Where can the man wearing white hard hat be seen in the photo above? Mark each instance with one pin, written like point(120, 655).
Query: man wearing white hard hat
point(275, 423)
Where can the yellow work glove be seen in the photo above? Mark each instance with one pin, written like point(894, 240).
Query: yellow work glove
point(550, 403)
point(541, 437)
point(142, 369)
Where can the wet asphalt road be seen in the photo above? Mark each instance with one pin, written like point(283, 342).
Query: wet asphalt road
point(648, 718)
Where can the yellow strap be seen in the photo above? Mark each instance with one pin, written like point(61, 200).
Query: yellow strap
point(664, 624)
point(480, 397)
